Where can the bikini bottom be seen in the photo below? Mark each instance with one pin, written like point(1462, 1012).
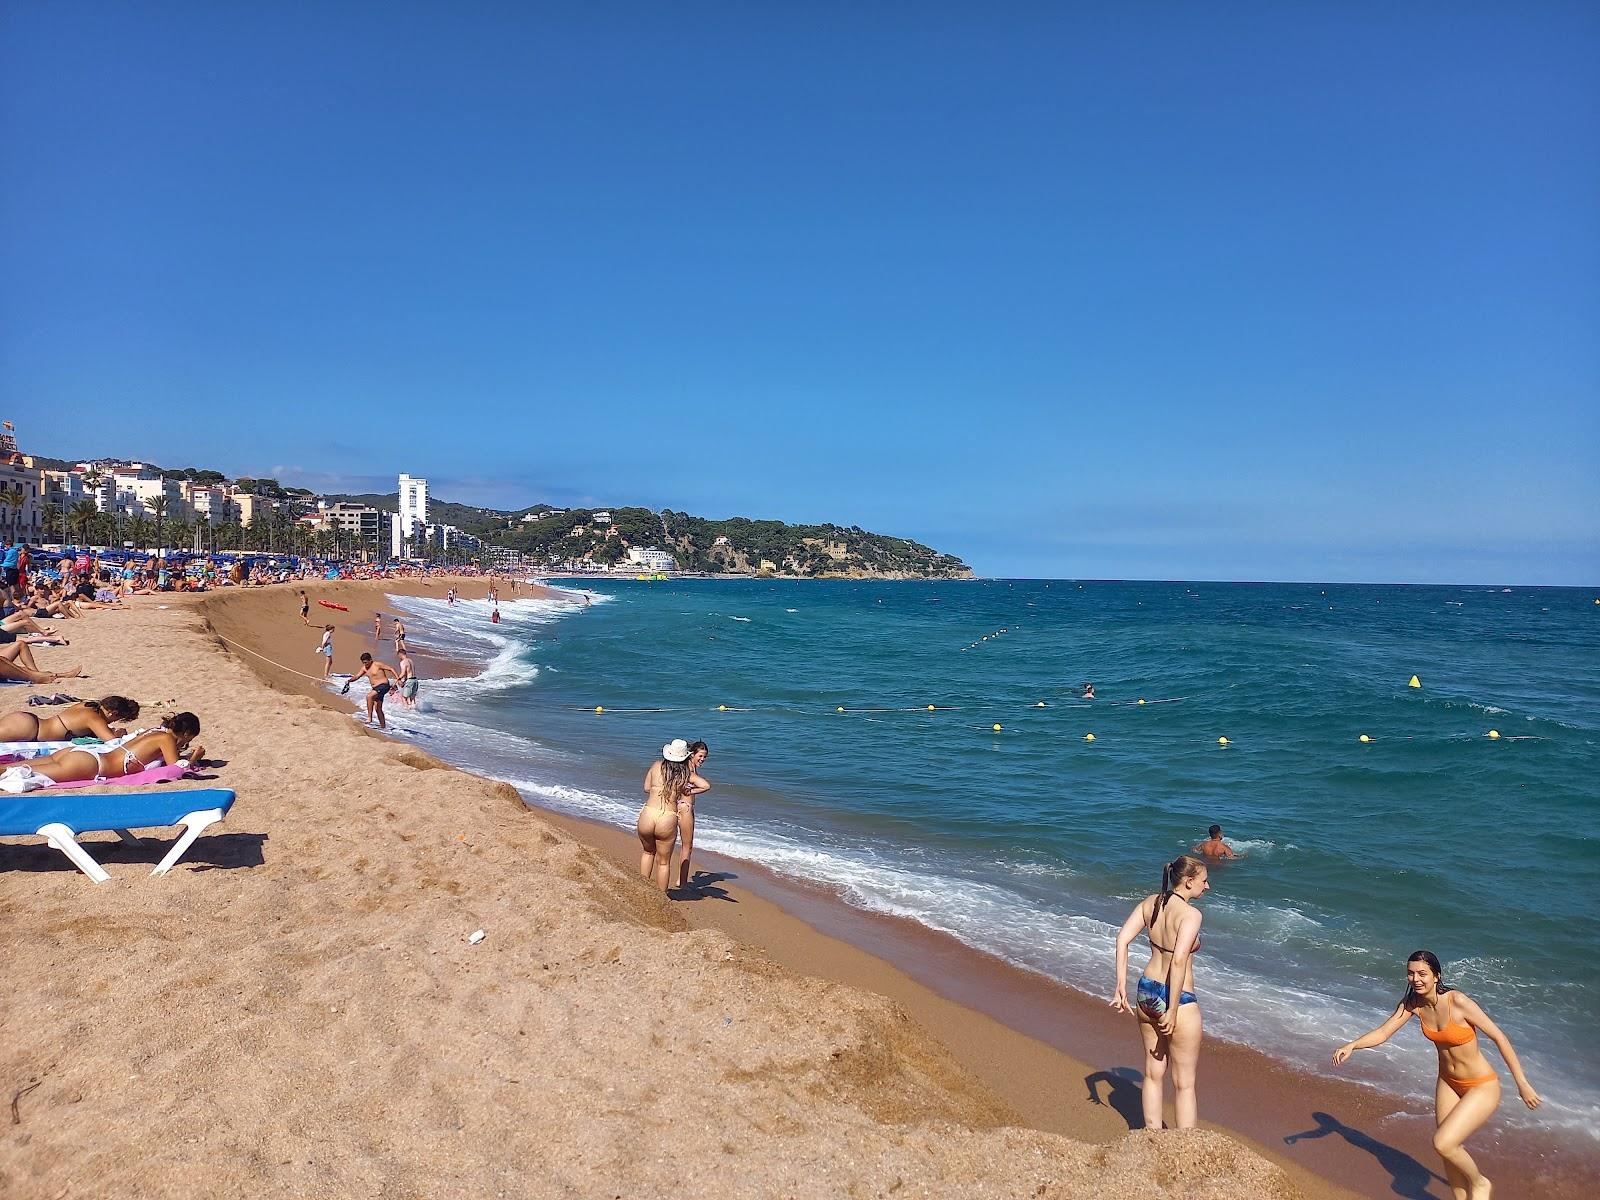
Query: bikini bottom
point(1154, 998)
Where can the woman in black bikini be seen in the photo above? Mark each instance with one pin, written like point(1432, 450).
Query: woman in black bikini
point(87, 718)
point(165, 745)
point(1468, 1090)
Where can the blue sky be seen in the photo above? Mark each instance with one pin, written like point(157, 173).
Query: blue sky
point(1256, 291)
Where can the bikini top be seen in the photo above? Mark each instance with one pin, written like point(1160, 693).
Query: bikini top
point(1150, 933)
point(1458, 1034)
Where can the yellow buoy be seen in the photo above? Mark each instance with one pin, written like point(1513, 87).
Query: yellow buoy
point(996, 728)
point(1494, 735)
point(1088, 737)
point(1415, 682)
point(1141, 702)
point(839, 709)
point(1041, 704)
point(722, 708)
point(1222, 741)
point(599, 708)
point(1363, 739)
point(930, 708)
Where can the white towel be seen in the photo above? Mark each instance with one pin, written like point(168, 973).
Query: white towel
point(20, 778)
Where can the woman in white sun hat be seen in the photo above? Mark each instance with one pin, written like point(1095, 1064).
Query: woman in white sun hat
point(665, 783)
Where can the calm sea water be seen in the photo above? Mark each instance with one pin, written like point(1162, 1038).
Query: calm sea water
point(1032, 843)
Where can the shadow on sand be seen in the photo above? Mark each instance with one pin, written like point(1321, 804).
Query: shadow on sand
point(210, 852)
point(703, 886)
point(1407, 1177)
point(1123, 1093)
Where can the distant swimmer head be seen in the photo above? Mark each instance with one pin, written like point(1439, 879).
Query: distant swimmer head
point(1088, 691)
point(1424, 975)
point(1215, 831)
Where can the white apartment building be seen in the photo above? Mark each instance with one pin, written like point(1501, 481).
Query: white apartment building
point(651, 559)
point(139, 490)
point(210, 503)
point(65, 488)
point(411, 522)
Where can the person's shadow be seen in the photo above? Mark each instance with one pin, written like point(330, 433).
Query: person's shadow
point(703, 886)
point(1123, 1093)
point(1407, 1177)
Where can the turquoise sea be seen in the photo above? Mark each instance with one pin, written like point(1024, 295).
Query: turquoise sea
point(1031, 842)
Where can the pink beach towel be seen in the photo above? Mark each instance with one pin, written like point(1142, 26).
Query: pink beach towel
point(137, 779)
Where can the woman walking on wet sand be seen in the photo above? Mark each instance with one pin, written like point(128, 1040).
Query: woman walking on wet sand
point(1165, 1003)
point(1467, 1091)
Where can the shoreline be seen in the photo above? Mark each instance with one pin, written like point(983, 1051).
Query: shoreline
point(1371, 1140)
point(330, 912)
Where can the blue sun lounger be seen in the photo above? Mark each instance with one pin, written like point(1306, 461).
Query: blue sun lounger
point(59, 817)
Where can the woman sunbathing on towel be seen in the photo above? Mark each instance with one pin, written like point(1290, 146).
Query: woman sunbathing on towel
point(16, 662)
point(167, 745)
point(87, 718)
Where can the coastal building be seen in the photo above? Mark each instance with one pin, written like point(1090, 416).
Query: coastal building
point(602, 518)
point(63, 488)
point(360, 521)
point(209, 503)
point(651, 558)
point(411, 520)
point(19, 490)
point(722, 540)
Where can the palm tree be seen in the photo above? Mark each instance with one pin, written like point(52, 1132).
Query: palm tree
point(18, 499)
point(182, 532)
point(82, 516)
point(159, 507)
point(228, 535)
point(55, 513)
point(5, 500)
point(140, 531)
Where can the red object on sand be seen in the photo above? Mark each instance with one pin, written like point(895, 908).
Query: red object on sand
point(331, 604)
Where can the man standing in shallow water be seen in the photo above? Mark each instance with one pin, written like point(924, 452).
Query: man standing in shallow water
point(1214, 847)
point(381, 677)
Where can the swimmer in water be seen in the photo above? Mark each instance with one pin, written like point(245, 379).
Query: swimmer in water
point(1214, 847)
point(1088, 691)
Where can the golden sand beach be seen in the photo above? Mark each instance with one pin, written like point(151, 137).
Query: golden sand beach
point(297, 1009)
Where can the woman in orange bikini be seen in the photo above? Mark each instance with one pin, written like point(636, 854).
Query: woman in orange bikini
point(1468, 1090)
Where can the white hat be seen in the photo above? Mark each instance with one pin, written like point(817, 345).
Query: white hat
point(677, 750)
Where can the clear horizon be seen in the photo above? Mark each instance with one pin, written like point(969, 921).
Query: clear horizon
point(1302, 295)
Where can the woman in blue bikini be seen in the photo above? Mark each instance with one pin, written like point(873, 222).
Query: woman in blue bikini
point(1170, 1032)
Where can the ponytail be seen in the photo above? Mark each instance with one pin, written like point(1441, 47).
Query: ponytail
point(1173, 875)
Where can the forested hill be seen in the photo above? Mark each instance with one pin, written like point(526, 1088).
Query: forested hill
point(737, 544)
